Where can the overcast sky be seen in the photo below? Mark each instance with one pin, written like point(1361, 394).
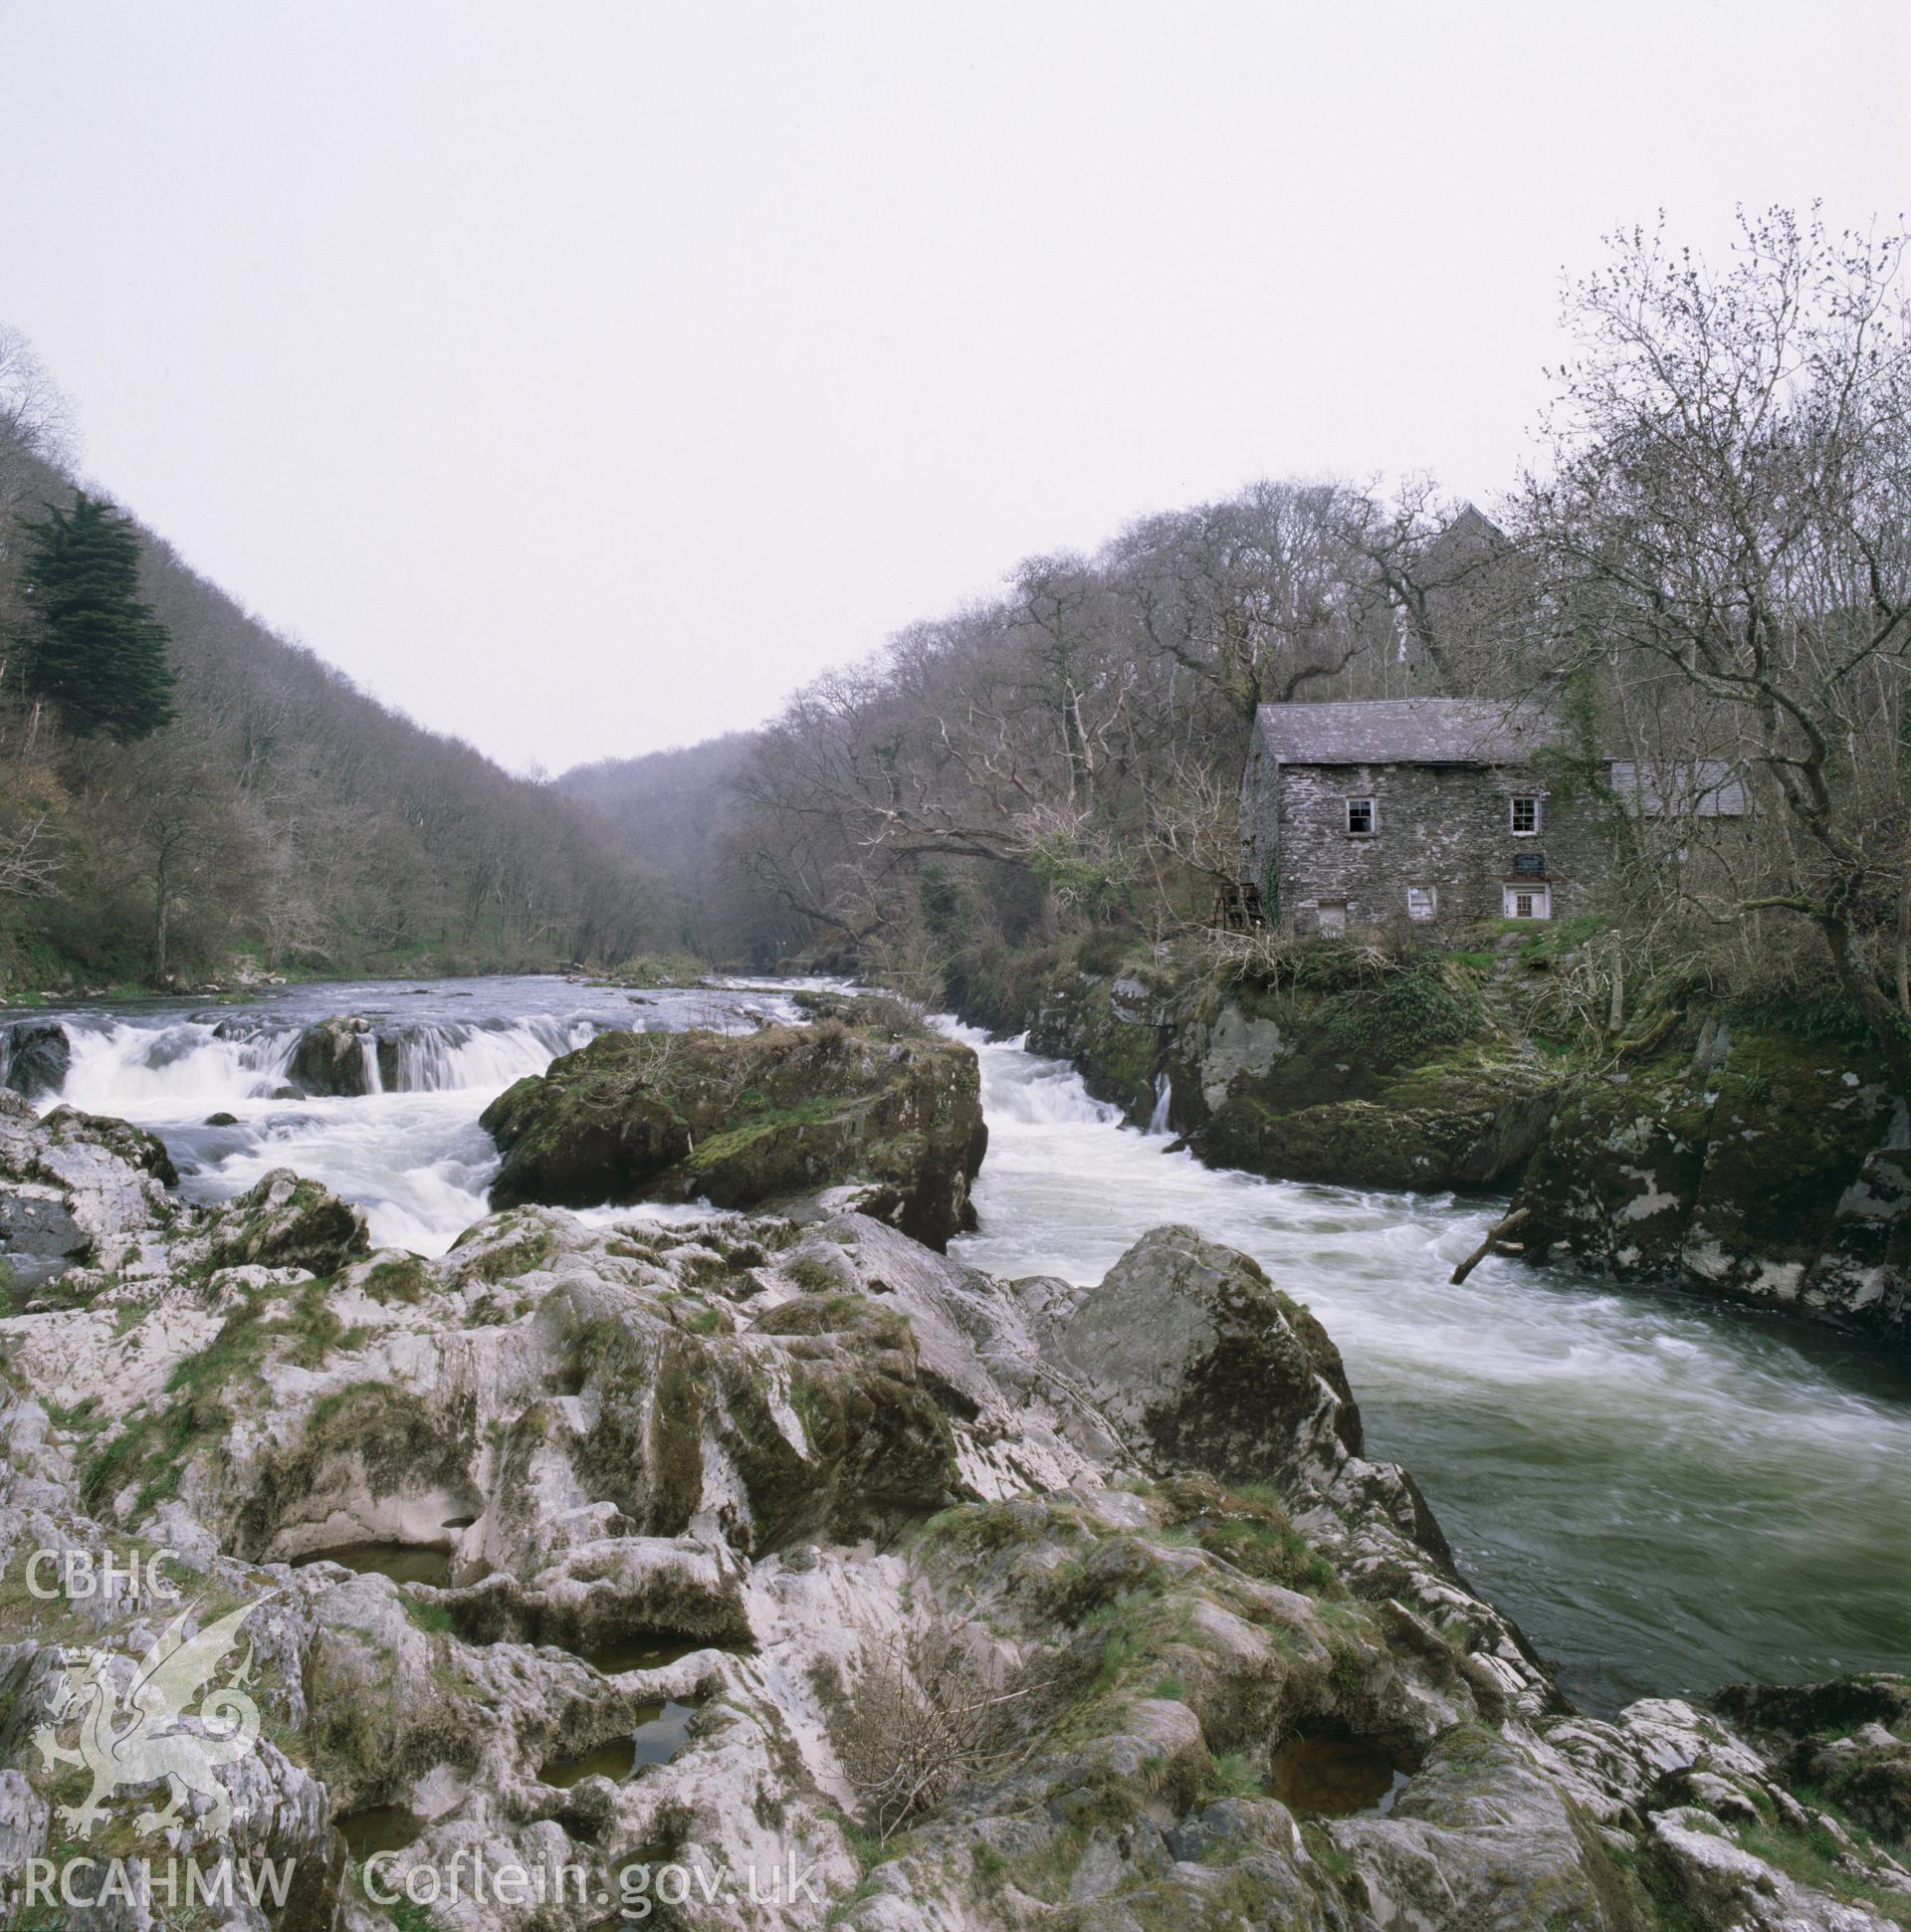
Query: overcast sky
point(582, 376)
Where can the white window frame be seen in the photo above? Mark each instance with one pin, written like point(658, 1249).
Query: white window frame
point(1540, 895)
point(1430, 895)
point(1373, 806)
point(1514, 801)
point(1330, 918)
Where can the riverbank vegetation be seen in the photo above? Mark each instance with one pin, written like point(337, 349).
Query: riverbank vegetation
point(1707, 561)
point(184, 793)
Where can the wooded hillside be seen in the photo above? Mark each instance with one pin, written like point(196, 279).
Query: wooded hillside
point(283, 813)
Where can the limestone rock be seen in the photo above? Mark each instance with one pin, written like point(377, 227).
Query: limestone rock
point(79, 1185)
point(1257, 1080)
point(1755, 1166)
point(1863, 1264)
point(1850, 1740)
point(1197, 1357)
point(284, 1223)
point(747, 1490)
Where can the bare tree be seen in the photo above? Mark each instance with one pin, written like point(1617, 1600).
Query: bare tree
point(36, 419)
point(1723, 528)
point(1261, 596)
point(30, 861)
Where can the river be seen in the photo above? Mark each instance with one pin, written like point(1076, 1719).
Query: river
point(210, 1080)
point(1665, 1494)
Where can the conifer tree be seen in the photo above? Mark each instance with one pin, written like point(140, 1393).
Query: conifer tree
point(94, 650)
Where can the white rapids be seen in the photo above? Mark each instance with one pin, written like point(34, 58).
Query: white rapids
point(212, 1083)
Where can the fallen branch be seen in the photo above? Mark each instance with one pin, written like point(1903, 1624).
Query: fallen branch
point(1485, 1248)
point(1653, 1035)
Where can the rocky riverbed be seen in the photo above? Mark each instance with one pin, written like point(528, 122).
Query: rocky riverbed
point(793, 1547)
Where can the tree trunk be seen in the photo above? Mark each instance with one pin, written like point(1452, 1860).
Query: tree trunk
point(1877, 1012)
point(1904, 947)
point(161, 910)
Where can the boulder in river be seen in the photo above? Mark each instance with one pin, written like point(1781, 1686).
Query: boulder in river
point(334, 1056)
point(35, 1055)
point(1199, 1356)
point(740, 1120)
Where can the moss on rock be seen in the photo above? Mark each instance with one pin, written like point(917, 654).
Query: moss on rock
point(738, 1120)
point(1732, 1159)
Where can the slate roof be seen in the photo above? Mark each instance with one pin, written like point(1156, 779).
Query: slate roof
point(1407, 731)
point(1704, 788)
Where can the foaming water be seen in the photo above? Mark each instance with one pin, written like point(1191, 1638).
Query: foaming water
point(206, 1062)
point(212, 1082)
point(1666, 1495)
point(124, 1068)
point(418, 1164)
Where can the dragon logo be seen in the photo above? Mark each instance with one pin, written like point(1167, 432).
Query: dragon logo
point(144, 1732)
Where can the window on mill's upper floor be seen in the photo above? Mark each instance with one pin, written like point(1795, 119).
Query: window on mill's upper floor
point(1362, 815)
point(1523, 814)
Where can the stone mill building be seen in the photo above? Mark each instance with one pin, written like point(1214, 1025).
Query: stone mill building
point(1364, 815)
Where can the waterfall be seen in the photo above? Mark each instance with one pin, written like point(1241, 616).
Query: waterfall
point(182, 1067)
point(1164, 1095)
point(441, 1058)
point(1029, 1092)
point(132, 1070)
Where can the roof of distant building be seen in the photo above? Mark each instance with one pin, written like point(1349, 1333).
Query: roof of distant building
point(1692, 789)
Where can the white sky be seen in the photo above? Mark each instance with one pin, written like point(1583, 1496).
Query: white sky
point(582, 376)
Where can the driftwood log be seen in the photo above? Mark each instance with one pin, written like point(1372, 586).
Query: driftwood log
point(1485, 1248)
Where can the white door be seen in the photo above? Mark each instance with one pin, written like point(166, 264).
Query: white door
point(1528, 902)
point(1333, 921)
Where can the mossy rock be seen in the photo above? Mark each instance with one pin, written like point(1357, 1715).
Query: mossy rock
point(330, 1057)
point(1618, 1171)
point(1334, 1075)
point(1790, 1129)
point(1723, 1158)
point(1114, 1030)
point(743, 1120)
point(876, 1450)
point(578, 1146)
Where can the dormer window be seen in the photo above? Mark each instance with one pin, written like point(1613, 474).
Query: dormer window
point(1524, 814)
point(1363, 816)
